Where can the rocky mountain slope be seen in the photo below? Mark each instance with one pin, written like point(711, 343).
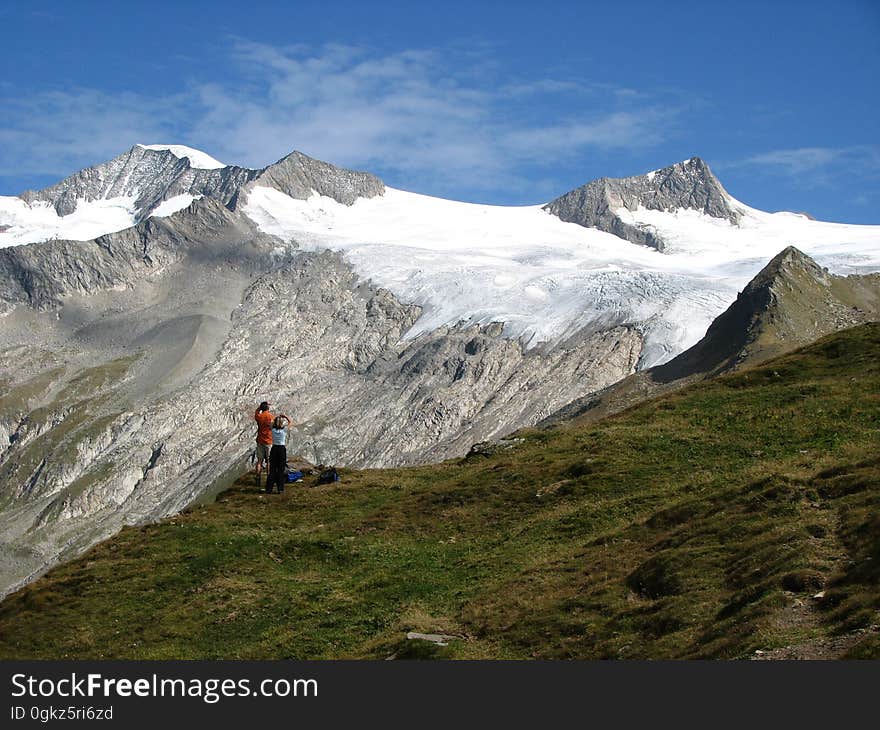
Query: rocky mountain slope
point(394, 328)
point(156, 342)
point(688, 185)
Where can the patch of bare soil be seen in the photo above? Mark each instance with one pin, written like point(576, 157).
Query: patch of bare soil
point(829, 647)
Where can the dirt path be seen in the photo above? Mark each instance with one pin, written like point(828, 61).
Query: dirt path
point(831, 647)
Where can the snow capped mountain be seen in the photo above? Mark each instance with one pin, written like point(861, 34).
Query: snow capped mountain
point(665, 252)
point(546, 278)
point(197, 158)
point(160, 180)
point(115, 195)
point(688, 185)
point(790, 303)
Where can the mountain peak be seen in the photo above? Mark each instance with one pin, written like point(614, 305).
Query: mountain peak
point(299, 175)
point(695, 161)
point(790, 302)
point(689, 184)
point(789, 263)
point(197, 159)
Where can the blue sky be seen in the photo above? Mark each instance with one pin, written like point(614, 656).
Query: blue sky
point(496, 102)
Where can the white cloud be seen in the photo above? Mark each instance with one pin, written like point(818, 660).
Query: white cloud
point(57, 132)
point(797, 161)
point(414, 114)
point(812, 166)
point(610, 131)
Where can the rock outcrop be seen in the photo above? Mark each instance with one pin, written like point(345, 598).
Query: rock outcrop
point(146, 175)
point(689, 184)
point(299, 176)
point(150, 177)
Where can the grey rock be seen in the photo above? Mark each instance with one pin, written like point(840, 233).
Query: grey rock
point(41, 274)
point(153, 176)
point(438, 639)
point(689, 184)
point(150, 176)
point(298, 175)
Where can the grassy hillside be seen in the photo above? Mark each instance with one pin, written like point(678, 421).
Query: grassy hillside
point(700, 524)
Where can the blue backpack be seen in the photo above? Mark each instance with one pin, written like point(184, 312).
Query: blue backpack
point(294, 476)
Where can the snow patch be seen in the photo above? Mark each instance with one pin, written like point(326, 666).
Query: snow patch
point(197, 158)
point(546, 279)
point(716, 246)
point(22, 222)
point(172, 205)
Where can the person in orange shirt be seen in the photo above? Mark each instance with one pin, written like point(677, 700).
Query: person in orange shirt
point(264, 419)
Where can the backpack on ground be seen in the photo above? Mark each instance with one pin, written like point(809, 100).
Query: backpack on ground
point(328, 476)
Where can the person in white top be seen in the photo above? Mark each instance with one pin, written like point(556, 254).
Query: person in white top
point(278, 454)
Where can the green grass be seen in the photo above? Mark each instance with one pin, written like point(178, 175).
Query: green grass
point(696, 525)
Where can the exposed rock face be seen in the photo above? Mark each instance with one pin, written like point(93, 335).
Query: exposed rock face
point(791, 302)
point(157, 342)
point(153, 176)
point(150, 176)
point(689, 184)
point(41, 274)
point(298, 175)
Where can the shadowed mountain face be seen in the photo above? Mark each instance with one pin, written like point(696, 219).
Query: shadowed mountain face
point(41, 275)
point(689, 184)
point(790, 303)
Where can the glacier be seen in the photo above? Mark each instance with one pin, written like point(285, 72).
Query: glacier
point(543, 278)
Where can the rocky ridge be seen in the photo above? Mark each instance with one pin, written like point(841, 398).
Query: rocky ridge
point(689, 184)
point(150, 177)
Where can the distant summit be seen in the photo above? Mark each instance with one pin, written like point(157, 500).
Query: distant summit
point(196, 158)
point(147, 176)
point(153, 174)
point(298, 176)
point(689, 184)
point(158, 180)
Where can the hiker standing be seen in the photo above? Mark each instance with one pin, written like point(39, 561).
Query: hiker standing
point(264, 420)
point(278, 455)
